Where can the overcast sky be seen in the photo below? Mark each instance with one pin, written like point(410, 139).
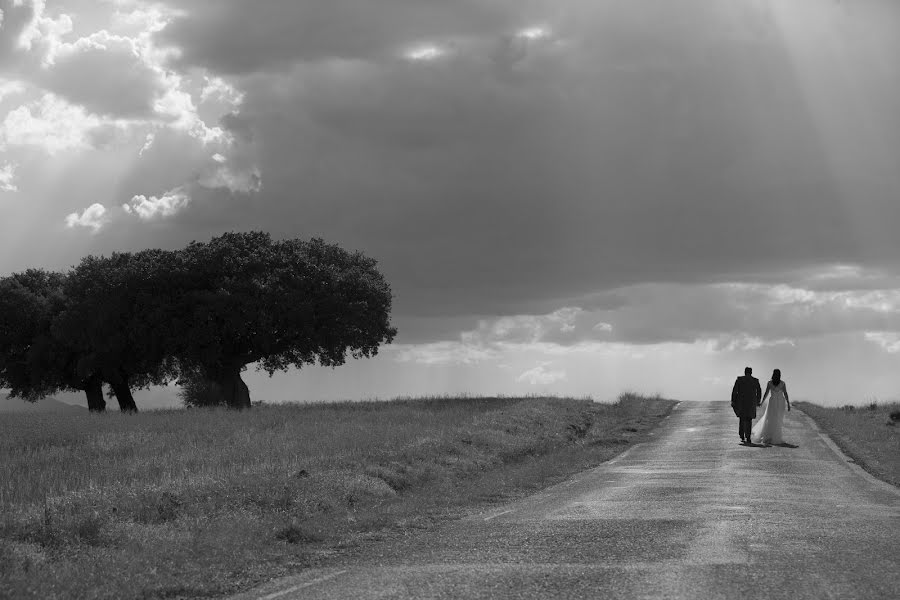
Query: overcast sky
point(567, 196)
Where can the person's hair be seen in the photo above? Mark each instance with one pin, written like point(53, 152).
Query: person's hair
point(747, 370)
point(776, 377)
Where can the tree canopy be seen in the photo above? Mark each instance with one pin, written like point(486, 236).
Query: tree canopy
point(35, 363)
point(113, 319)
point(201, 314)
point(248, 299)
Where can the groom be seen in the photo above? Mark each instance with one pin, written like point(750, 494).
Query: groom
point(745, 397)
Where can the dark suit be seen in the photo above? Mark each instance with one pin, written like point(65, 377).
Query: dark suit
point(745, 397)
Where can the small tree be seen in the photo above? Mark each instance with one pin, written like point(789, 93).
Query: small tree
point(245, 298)
point(33, 362)
point(116, 317)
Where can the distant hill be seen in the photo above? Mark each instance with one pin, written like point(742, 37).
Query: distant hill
point(47, 405)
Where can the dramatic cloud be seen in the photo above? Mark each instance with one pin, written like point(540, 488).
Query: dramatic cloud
point(604, 149)
point(642, 183)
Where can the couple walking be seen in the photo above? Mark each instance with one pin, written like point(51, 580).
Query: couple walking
point(745, 397)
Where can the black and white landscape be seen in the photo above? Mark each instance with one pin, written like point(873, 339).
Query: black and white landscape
point(449, 299)
point(565, 196)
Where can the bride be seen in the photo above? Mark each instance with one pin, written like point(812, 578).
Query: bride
point(768, 429)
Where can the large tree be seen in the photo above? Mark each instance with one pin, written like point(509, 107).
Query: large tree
point(34, 363)
point(246, 298)
point(116, 319)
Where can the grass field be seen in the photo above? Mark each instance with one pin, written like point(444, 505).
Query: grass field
point(865, 433)
point(204, 502)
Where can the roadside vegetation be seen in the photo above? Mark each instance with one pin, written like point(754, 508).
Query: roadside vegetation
point(869, 434)
point(202, 502)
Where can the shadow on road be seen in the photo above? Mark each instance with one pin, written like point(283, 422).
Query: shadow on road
point(781, 445)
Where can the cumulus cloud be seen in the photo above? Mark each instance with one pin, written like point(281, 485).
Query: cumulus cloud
point(96, 81)
point(94, 217)
point(179, 108)
point(29, 35)
point(155, 207)
point(107, 85)
point(107, 74)
point(49, 123)
point(42, 29)
point(217, 89)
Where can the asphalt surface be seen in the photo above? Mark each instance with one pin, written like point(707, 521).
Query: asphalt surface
point(690, 514)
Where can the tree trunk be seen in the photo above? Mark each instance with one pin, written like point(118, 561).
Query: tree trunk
point(93, 389)
point(122, 391)
point(234, 390)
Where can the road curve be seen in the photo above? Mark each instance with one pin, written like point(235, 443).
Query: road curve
point(690, 514)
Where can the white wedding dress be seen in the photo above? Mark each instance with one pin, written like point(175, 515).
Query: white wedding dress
point(767, 430)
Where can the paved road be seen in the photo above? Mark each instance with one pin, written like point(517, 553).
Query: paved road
point(691, 514)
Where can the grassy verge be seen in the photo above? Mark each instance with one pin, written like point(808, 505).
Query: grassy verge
point(867, 434)
point(200, 503)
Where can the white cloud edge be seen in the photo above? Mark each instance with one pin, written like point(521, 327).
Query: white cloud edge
point(94, 217)
point(158, 207)
point(8, 177)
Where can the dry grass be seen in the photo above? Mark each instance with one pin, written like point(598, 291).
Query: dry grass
point(868, 434)
point(203, 502)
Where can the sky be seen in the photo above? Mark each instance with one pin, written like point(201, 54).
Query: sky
point(572, 197)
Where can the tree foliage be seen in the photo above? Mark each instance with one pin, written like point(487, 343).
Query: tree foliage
point(28, 302)
point(200, 314)
point(248, 299)
point(113, 320)
point(34, 362)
